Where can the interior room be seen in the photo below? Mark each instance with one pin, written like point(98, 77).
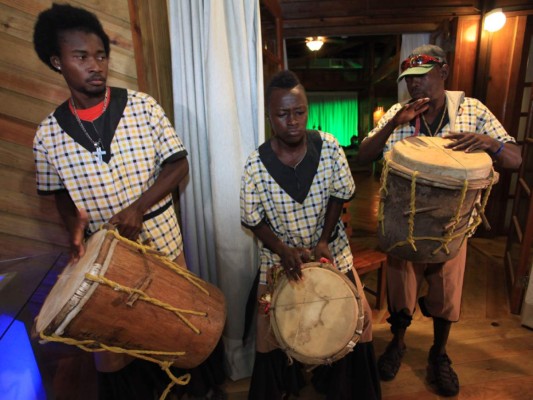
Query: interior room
point(347, 56)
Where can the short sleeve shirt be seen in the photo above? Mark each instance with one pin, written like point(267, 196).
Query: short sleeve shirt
point(472, 116)
point(139, 141)
point(293, 201)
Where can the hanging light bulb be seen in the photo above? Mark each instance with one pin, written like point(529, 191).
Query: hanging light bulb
point(494, 20)
point(314, 44)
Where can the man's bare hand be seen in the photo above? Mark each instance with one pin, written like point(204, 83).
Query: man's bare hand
point(77, 245)
point(410, 111)
point(469, 142)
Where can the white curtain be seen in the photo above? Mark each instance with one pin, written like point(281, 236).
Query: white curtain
point(219, 111)
point(410, 41)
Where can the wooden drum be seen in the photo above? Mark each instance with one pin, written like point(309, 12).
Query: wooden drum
point(124, 298)
point(319, 319)
point(431, 198)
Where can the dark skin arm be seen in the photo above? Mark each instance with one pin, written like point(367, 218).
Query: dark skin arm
point(333, 213)
point(75, 222)
point(371, 148)
point(129, 220)
point(509, 158)
point(291, 257)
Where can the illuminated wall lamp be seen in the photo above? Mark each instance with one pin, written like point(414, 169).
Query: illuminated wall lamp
point(314, 44)
point(494, 20)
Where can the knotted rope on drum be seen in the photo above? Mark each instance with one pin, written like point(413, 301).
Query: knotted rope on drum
point(412, 207)
point(194, 280)
point(383, 192)
point(477, 217)
point(450, 233)
point(94, 347)
point(144, 297)
point(449, 236)
point(411, 239)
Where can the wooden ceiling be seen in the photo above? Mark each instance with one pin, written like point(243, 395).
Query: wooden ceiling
point(362, 37)
point(370, 17)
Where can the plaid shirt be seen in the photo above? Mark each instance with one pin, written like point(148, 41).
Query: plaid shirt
point(142, 141)
point(465, 115)
point(293, 201)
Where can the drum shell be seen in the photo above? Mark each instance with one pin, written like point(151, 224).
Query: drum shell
point(432, 223)
point(112, 318)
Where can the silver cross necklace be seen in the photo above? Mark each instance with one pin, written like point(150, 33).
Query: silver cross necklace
point(98, 146)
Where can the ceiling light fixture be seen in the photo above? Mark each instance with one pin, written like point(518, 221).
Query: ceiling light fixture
point(314, 44)
point(494, 20)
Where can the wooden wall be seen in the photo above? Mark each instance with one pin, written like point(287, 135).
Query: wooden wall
point(29, 91)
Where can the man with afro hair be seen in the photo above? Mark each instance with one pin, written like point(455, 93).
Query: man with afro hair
point(110, 155)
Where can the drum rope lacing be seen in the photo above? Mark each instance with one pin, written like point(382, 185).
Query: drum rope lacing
point(87, 345)
point(94, 346)
point(450, 234)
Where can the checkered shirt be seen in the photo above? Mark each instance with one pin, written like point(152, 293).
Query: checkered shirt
point(143, 140)
point(298, 224)
point(471, 116)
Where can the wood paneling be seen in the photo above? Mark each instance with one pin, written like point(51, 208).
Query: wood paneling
point(504, 63)
point(464, 57)
point(29, 91)
point(151, 39)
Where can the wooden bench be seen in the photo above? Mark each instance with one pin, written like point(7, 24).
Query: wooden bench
point(368, 260)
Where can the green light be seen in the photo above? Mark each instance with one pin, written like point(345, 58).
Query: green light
point(334, 113)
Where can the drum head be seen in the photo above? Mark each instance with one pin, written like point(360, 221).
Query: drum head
point(317, 317)
point(66, 291)
point(428, 155)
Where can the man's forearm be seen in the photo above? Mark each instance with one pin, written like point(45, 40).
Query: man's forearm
point(168, 180)
point(333, 213)
point(372, 147)
point(67, 210)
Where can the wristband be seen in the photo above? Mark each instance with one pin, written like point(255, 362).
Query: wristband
point(500, 149)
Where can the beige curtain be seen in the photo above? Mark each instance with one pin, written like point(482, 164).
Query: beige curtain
point(217, 84)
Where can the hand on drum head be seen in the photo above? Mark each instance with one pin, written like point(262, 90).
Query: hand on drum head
point(77, 247)
point(410, 111)
point(322, 251)
point(469, 142)
point(292, 259)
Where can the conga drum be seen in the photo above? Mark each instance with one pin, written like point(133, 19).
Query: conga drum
point(319, 319)
point(126, 298)
point(431, 198)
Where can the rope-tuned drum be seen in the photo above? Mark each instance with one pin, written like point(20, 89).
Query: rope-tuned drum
point(124, 297)
point(431, 198)
point(318, 319)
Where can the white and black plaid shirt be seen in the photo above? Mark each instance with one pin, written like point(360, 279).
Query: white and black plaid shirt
point(139, 140)
point(293, 201)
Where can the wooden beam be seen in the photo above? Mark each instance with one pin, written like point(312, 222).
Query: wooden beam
point(367, 30)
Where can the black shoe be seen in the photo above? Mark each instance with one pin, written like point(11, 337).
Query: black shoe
point(390, 361)
point(441, 374)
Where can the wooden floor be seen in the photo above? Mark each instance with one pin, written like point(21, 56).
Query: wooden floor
point(491, 352)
